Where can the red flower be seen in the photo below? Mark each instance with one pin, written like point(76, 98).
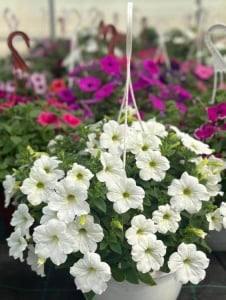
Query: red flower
point(48, 118)
point(57, 85)
point(70, 120)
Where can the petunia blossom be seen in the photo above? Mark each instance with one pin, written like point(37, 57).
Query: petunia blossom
point(48, 118)
point(89, 84)
point(216, 112)
point(70, 120)
point(110, 64)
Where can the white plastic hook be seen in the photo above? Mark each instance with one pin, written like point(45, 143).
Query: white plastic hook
point(11, 19)
point(218, 61)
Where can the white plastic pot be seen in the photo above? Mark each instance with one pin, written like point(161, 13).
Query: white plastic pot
point(167, 288)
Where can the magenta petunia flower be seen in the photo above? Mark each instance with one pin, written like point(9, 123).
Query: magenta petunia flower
point(181, 107)
point(150, 66)
point(48, 118)
point(110, 64)
point(157, 103)
point(203, 72)
point(105, 91)
point(88, 84)
point(70, 120)
point(182, 93)
point(140, 84)
point(216, 112)
point(66, 95)
point(206, 131)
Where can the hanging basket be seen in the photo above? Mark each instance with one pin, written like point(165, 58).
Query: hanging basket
point(166, 288)
point(217, 240)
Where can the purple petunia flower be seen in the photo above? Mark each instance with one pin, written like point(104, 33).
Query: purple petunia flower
point(105, 91)
point(110, 64)
point(150, 66)
point(206, 131)
point(182, 93)
point(216, 112)
point(66, 95)
point(89, 84)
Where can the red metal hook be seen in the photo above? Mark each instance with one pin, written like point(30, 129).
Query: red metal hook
point(109, 29)
point(18, 61)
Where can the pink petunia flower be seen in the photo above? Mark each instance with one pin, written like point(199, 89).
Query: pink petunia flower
point(70, 120)
point(89, 84)
point(206, 131)
point(157, 103)
point(203, 72)
point(110, 64)
point(48, 118)
point(216, 112)
point(181, 107)
point(182, 93)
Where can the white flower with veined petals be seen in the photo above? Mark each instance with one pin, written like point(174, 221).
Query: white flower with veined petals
point(80, 175)
point(17, 244)
point(152, 165)
point(112, 137)
point(223, 213)
point(38, 186)
point(112, 167)
point(68, 199)
point(152, 127)
point(86, 234)
point(53, 241)
point(149, 254)
point(142, 142)
point(49, 165)
point(91, 274)
point(140, 228)
point(166, 219)
point(125, 194)
point(48, 214)
point(22, 219)
point(188, 264)
point(93, 145)
point(187, 193)
point(194, 145)
point(215, 220)
point(32, 260)
point(9, 185)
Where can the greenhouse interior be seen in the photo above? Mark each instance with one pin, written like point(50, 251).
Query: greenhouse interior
point(113, 150)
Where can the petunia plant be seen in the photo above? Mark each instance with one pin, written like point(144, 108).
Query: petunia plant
point(120, 201)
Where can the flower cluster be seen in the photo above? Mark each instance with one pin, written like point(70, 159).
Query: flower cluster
point(121, 201)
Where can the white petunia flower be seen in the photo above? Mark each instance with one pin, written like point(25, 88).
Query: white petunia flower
point(38, 186)
point(112, 137)
point(22, 219)
point(125, 194)
point(166, 219)
point(93, 145)
point(152, 165)
point(9, 185)
point(49, 165)
point(149, 254)
point(215, 220)
point(68, 199)
point(48, 214)
point(194, 145)
point(223, 213)
point(32, 260)
point(188, 264)
point(151, 127)
point(142, 142)
point(80, 175)
point(86, 234)
point(53, 241)
point(187, 193)
point(140, 228)
point(17, 244)
point(112, 167)
point(52, 143)
point(91, 274)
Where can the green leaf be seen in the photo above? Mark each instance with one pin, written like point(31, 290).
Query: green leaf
point(146, 278)
point(117, 274)
point(16, 139)
point(100, 203)
point(131, 275)
point(89, 296)
point(116, 247)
